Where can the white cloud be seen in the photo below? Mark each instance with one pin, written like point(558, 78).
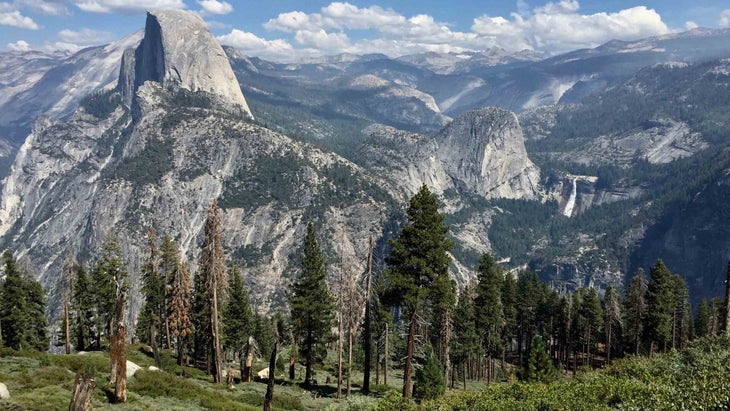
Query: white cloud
point(554, 27)
point(724, 18)
point(689, 25)
point(84, 36)
point(253, 45)
point(214, 7)
point(61, 46)
point(558, 27)
point(10, 16)
point(53, 7)
point(212, 24)
point(19, 45)
point(127, 6)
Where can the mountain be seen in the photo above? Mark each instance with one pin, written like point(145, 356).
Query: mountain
point(155, 153)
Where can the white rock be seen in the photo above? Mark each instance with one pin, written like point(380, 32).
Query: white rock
point(4, 393)
point(153, 368)
point(263, 373)
point(132, 368)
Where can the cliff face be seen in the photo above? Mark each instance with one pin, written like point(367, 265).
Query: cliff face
point(179, 49)
point(485, 151)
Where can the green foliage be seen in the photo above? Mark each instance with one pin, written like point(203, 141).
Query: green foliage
point(312, 305)
point(660, 304)
point(150, 164)
point(635, 311)
point(22, 309)
point(429, 380)
point(108, 279)
point(489, 315)
point(101, 104)
point(82, 309)
point(539, 366)
point(702, 324)
point(237, 317)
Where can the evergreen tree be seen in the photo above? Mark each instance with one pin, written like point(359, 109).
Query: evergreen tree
point(201, 321)
point(312, 306)
point(237, 318)
point(702, 324)
point(466, 339)
point(170, 266)
point(528, 300)
point(660, 304)
point(681, 313)
point(635, 311)
point(489, 315)
point(539, 367)
point(213, 275)
point(418, 256)
point(612, 320)
point(593, 314)
point(148, 323)
point(442, 299)
point(509, 310)
point(429, 379)
point(22, 309)
point(109, 278)
point(82, 303)
point(264, 330)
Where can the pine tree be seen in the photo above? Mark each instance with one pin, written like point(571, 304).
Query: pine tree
point(681, 314)
point(466, 339)
point(148, 324)
point(660, 304)
point(635, 311)
point(509, 310)
point(170, 265)
point(539, 367)
point(312, 306)
point(442, 300)
point(489, 315)
point(22, 309)
point(82, 304)
point(213, 275)
point(593, 314)
point(418, 256)
point(429, 379)
point(237, 317)
point(109, 278)
point(702, 324)
point(612, 320)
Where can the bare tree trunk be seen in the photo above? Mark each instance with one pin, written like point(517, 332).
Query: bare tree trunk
point(167, 333)
point(340, 331)
point(270, 385)
point(67, 327)
point(385, 357)
point(113, 359)
point(215, 338)
point(377, 369)
point(727, 300)
point(447, 347)
point(247, 361)
point(608, 343)
point(349, 362)
point(292, 361)
point(367, 337)
point(409, 356)
point(81, 397)
point(120, 385)
point(153, 341)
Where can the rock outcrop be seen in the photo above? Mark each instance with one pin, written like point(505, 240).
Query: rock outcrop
point(485, 151)
point(179, 49)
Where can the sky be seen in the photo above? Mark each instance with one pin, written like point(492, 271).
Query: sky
point(287, 30)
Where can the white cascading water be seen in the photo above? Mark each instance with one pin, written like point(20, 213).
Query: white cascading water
point(570, 205)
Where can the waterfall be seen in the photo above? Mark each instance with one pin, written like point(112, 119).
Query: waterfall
point(570, 205)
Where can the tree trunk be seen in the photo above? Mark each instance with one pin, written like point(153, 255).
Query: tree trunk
point(180, 350)
point(367, 337)
point(167, 333)
point(120, 385)
point(447, 347)
point(377, 369)
point(608, 344)
point(67, 327)
point(409, 356)
point(81, 397)
point(153, 342)
point(270, 385)
point(340, 331)
point(247, 362)
point(349, 362)
point(292, 361)
point(215, 338)
point(385, 357)
point(727, 300)
point(113, 359)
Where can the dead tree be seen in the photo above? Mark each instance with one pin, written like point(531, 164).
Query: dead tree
point(120, 385)
point(83, 388)
point(270, 385)
point(727, 300)
point(367, 336)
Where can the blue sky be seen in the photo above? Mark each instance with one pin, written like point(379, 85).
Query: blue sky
point(286, 30)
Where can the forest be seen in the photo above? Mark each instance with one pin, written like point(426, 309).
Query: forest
point(504, 340)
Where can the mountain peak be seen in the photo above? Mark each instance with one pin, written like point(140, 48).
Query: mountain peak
point(179, 49)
